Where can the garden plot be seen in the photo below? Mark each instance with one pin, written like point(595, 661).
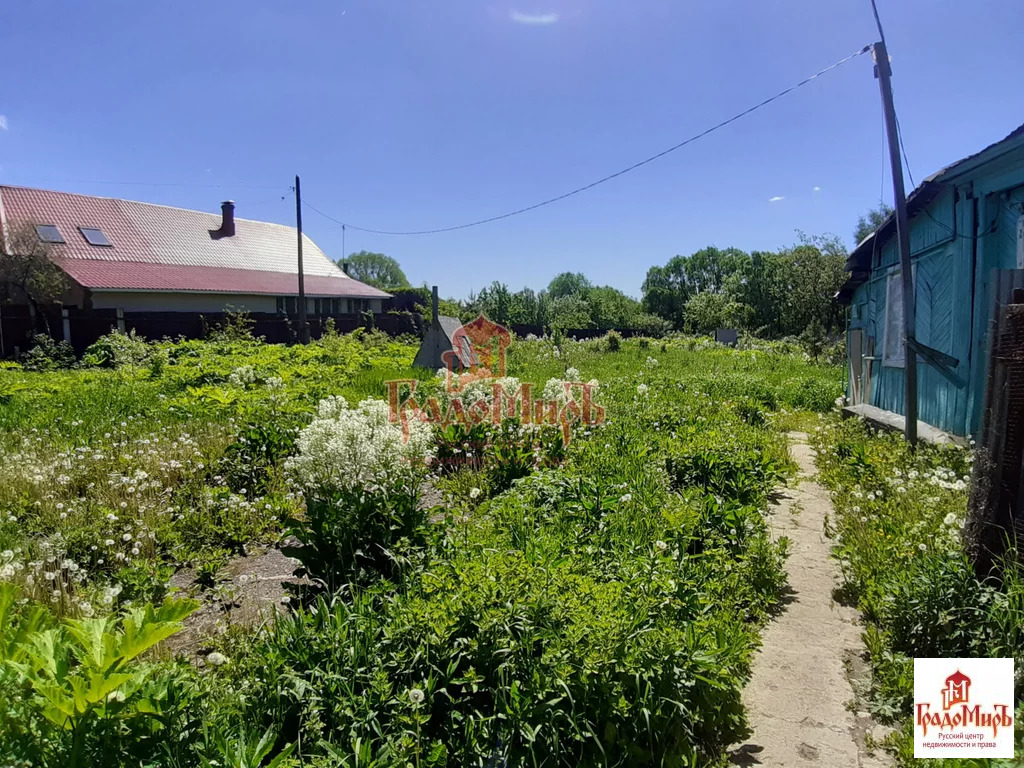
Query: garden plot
point(595, 603)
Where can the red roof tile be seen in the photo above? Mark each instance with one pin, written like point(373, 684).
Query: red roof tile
point(137, 276)
point(158, 248)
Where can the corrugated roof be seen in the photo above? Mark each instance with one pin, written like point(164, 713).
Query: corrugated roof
point(859, 261)
point(145, 236)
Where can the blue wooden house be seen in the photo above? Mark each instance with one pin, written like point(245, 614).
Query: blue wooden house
point(967, 250)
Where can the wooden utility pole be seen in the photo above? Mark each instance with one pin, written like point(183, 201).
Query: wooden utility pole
point(303, 323)
point(884, 73)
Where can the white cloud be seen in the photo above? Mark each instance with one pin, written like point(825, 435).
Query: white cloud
point(534, 19)
point(776, 198)
point(3, 122)
point(817, 189)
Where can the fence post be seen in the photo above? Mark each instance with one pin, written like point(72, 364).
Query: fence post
point(995, 515)
point(65, 316)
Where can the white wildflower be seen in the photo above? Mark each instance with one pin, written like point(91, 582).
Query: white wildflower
point(353, 448)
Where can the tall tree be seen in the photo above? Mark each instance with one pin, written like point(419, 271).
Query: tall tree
point(376, 269)
point(708, 268)
point(28, 271)
point(569, 312)
point(496, 301)
point(871, 221)
point(569, 284)
point(666, 291)
point(611, 308)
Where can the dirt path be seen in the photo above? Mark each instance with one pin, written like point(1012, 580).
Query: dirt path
point(798, 698)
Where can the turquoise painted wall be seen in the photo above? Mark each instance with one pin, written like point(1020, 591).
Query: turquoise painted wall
point(953, 291)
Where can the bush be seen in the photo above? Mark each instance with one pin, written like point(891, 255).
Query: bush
point(740, 472)
point(47, 354)
point(360, 474)
point(250, 463)
point(116, 350)
point(355, 535)
point(614, 340)
point(359, 449)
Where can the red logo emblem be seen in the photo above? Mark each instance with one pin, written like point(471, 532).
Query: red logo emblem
point(957, 690)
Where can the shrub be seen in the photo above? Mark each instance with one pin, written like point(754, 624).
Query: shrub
point(740, 472)
point(614, 340)
point(516, 450)
point(249, 463)
point(360, 474)
point(352, 534)
point(47, 354)
point(358, 449)
point(117, 350)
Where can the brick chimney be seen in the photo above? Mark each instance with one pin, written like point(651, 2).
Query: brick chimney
point(227, 224)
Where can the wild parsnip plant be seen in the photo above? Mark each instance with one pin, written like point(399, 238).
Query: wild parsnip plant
point(898, 539)
point(595, 603)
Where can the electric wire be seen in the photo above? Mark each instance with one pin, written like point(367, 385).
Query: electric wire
point(906, 161)
point(604, 179)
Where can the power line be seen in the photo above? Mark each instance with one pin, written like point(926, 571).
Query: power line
point(604, 179)
point(953, 232)
point(906, 161)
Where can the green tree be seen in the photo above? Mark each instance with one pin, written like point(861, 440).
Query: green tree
point(707, 311)
point(611, 308)
point(569, 312)
point(376, 269)
point(569, 284)
point(526, 308)
point(871, 221)
point(816, 269)
point(666, 291)
point(708, 268)
point(497, 302)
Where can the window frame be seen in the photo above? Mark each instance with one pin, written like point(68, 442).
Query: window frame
point(56, 229)
point(108, 244)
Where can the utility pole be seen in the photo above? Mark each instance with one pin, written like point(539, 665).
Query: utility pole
point(303, 324)
point(884, 73)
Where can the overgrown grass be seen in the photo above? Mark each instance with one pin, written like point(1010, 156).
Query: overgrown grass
point(898, 534)
point(601, 609)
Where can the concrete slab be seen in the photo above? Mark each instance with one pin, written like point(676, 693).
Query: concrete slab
point(897, 422)
point(799, 694)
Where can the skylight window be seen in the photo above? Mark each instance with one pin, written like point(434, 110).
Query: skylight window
point(94, 236)
point(48, 233)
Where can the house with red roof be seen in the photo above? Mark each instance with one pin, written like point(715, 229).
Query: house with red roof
point(141, 257)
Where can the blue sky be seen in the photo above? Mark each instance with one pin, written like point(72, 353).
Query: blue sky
point(411, 114)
